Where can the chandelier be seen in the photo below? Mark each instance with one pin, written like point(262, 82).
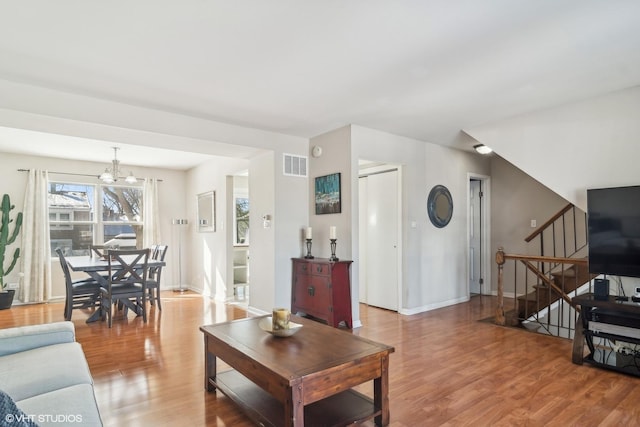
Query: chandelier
point(110, 175)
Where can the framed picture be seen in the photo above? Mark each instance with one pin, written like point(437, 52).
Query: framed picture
point(328, 200)
point(207, 212)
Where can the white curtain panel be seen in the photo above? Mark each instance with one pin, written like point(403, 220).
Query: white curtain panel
point(36, 246)
point(151, 233)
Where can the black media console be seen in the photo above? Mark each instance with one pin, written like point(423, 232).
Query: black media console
point(610, 328)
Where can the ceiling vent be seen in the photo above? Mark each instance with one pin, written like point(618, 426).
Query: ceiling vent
point(294, 165)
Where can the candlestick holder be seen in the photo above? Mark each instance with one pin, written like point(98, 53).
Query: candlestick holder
point(308, 255)
point(333, 250)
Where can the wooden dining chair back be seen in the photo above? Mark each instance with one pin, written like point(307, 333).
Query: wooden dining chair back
point(96, 251)
point(153, 281)
point(126, 284)
point(80, 293)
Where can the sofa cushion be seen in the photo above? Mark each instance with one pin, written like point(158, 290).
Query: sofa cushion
point(78, 401)
point(23, 338)
point(11, 415)
point(44, 369)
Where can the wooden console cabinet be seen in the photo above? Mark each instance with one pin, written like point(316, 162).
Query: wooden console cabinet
point(322, 289)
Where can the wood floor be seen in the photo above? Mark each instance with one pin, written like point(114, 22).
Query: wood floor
point(448, 369)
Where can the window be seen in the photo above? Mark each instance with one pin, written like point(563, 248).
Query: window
point(241, 216)
point(77, 219)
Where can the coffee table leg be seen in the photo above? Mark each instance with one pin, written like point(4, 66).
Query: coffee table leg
point(209, 366)
point(293, 408)
point(381, 393)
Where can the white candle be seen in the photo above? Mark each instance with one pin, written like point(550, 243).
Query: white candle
point(332, 232)
point(308, 235)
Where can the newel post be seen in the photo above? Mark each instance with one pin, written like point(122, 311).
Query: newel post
point(500, 320)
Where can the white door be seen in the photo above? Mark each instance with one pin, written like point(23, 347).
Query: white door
point(362, 235)
point(475, 236)
point(382, 240)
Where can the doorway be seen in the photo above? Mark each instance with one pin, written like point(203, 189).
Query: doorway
point(241, 238)
point(478, 225)
point(379, 236)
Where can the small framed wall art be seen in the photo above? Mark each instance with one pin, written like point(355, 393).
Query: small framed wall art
point(328, 199)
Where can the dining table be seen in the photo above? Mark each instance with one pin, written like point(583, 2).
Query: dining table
point(96, 266)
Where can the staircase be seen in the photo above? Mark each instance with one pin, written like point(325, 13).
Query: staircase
point(568, 278)
point(544, 284)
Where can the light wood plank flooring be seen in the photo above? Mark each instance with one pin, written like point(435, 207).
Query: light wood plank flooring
point(448, 369)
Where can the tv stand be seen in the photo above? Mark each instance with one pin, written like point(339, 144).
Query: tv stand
point(610, 328)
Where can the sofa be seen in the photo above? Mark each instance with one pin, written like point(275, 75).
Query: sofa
point(44, 378)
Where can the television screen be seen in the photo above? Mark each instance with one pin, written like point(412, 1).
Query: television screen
point(614, 231)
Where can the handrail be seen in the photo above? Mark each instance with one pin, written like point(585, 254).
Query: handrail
point(550, 221)
point(502, 257)
point(549, 283)
point(538, 258)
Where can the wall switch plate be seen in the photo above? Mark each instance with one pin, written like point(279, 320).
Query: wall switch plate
point(13, 285)
point(534, 223)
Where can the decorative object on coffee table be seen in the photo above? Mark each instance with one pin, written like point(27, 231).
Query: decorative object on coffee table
point(266, 324)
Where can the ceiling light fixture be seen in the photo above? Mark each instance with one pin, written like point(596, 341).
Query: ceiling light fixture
point(482, 149)
point(110, 175)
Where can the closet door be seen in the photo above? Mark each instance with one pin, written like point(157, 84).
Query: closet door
point(382, 240)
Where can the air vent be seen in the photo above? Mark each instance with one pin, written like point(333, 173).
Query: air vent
point(294, 165)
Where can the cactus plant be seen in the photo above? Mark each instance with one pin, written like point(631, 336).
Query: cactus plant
point(7, 238)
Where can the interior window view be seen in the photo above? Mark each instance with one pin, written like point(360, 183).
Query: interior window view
point(320, 213)
point(75, 222)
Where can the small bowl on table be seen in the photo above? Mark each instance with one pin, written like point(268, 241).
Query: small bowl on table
point(266, 324)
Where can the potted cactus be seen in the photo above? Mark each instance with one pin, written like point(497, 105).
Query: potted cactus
point(6, 239)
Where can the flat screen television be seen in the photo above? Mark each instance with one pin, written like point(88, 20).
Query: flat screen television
point(614, 230)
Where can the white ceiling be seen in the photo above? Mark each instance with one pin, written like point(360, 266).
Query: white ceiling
point(423, 69)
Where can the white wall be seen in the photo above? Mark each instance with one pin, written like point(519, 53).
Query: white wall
point(574, 147)
point(335, 148)
point(262, 190)
point(207, 265)
point(36, 108)
point(170, 189)
point(434, 271)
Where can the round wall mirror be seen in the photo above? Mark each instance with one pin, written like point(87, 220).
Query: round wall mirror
point(440, 206)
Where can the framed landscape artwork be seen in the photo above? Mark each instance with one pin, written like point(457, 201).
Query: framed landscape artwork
point(328, 200)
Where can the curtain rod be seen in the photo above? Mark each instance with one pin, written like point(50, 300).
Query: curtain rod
point(78, 174)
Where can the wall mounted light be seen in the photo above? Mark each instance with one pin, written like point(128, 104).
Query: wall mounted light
point(482, 149)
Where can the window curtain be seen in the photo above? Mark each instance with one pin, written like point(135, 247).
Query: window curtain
point(36, 244)
point(151, 230)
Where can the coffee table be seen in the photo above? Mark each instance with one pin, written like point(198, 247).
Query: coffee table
point(305, 378)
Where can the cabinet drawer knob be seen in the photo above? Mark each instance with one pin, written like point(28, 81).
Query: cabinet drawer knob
point(311, 290)
point(319, 268)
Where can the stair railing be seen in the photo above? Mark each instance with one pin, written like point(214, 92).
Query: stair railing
point(530, 275)
point(563, 235)
point(560, 244)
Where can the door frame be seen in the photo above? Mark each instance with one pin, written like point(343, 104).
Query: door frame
point(485, 236)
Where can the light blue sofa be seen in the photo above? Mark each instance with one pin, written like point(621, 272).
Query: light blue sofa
point(44, 371)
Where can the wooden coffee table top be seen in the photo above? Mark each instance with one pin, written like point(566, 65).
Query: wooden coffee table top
point(316, 347)
point(305, 378)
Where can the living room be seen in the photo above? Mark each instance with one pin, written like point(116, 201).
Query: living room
point(559, 149)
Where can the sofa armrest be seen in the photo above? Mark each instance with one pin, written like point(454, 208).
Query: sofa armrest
point(22, 338)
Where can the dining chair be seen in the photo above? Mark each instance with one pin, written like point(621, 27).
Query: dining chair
point(80, 293)
point(126, 284)
point(96, 250)
point(153, 281)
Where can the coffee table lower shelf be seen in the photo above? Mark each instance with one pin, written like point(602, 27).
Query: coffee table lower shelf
point(341, 409)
